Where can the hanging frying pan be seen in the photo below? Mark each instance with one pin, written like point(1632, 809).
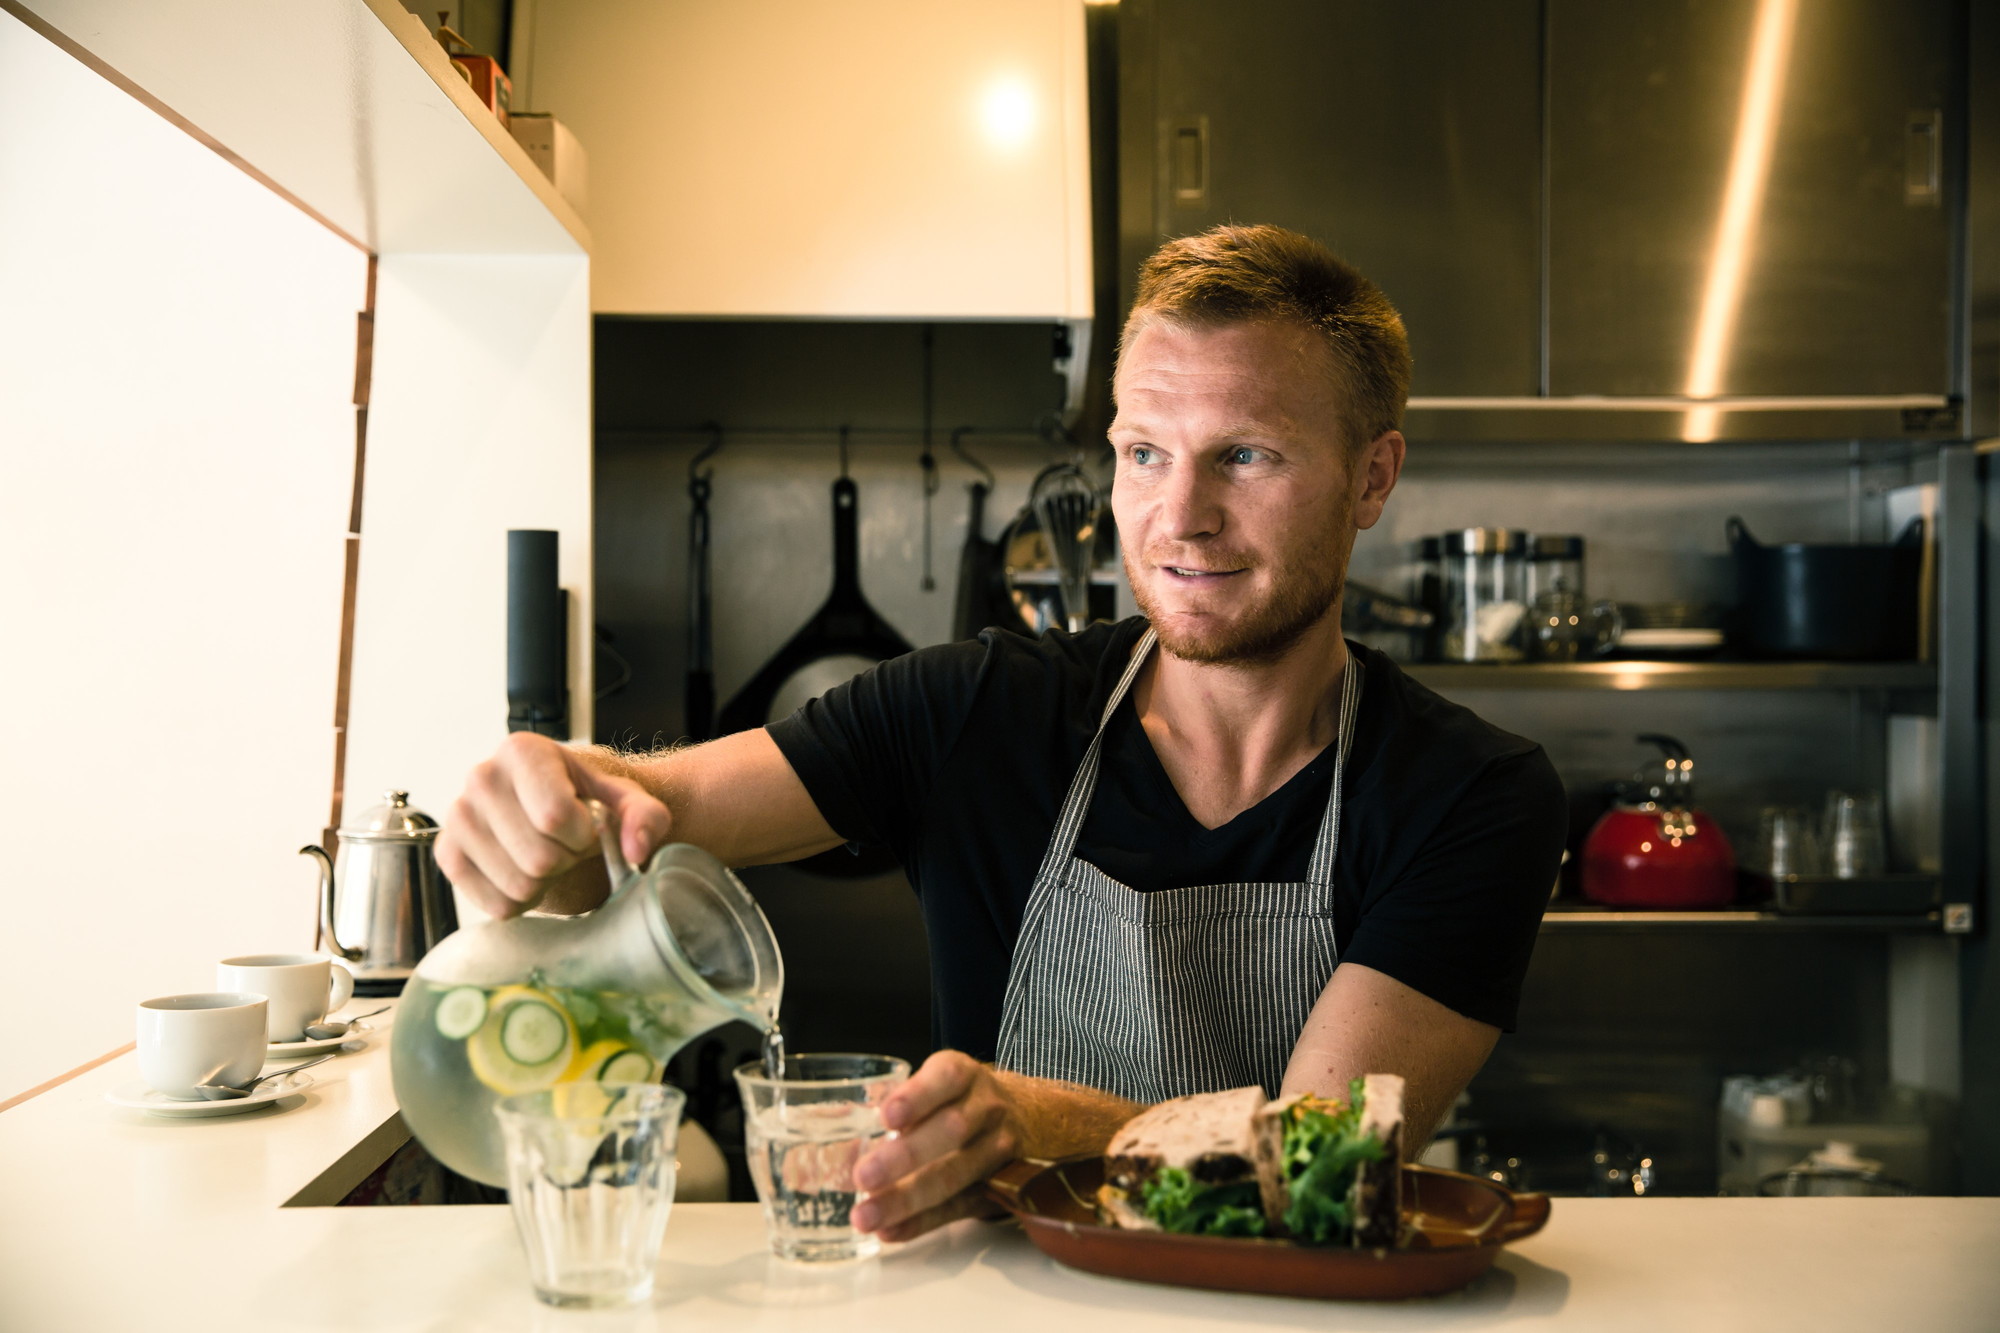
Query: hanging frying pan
point(844, 638)
point(982, 583)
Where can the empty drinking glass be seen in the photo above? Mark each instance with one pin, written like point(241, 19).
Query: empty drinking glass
point(590, 1175)
point(1853, 834)
point(1786, 843)
point(803, 1133)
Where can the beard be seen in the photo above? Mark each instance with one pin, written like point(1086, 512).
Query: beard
point(1307, 586)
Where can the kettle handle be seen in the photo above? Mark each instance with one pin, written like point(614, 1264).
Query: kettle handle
point(1739, 535)
point(333, 943)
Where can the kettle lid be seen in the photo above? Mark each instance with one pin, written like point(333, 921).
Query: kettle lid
point(394, 818)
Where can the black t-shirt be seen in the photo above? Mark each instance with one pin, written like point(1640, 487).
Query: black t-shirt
point(957, 759)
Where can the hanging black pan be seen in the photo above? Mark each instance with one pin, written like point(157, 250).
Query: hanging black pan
point(844, 638)
point(983, 599)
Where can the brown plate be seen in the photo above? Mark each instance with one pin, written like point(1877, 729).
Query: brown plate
point(1458, 1225)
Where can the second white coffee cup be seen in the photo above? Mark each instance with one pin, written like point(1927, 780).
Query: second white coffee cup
point(302, 987)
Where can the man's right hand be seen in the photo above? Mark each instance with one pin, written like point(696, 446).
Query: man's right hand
point(521, 828)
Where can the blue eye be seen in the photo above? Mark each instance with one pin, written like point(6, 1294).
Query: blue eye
point(1141, 454)
point(1245, 455)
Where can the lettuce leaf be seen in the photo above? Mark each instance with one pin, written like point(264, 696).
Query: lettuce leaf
point(1322, 1149)
point(1179, 1203)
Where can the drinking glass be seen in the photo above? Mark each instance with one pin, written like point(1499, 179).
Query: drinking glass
point(803, 1134)
point(1853, 834)
point(1786, 844)
point(590, 1175)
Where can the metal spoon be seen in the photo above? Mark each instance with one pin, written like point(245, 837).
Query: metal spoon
point(229, 1092)
point(337, 1027)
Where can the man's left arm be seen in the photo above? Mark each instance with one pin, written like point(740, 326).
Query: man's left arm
point(1436, 962)
point(1367, 1022)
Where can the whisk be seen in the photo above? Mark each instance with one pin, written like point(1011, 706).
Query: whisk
point(1066, 504)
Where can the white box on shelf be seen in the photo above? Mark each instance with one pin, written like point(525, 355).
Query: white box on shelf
point(552, 147)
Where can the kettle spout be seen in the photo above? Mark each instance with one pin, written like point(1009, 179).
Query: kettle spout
point(333, 943)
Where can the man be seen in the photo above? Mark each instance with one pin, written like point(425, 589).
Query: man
point(1211, 846)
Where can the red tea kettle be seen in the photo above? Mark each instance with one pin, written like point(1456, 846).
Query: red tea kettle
point(1652, 848)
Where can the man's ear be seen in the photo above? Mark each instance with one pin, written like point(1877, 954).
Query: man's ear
point(1380, 464)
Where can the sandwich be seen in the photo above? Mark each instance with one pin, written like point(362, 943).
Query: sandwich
point(1306, 1168)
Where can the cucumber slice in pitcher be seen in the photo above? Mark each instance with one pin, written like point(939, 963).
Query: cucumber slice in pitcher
point(626, 1067)
point(533, 1033)
point(524, 1045)
point(460, 1012)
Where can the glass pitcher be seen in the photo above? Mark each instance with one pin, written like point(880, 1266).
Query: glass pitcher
point(518, 1006)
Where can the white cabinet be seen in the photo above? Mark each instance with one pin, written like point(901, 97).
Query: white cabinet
point(199, 197)
point(863, 159)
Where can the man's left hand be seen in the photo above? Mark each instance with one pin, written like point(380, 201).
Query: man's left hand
point(953, 1124)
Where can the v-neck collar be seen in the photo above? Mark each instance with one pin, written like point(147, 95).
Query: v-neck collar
point(1152, 776)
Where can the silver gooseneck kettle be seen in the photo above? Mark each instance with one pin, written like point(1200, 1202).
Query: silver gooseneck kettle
point(383, 902)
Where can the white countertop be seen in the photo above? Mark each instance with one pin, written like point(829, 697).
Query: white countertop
point(114, 1220)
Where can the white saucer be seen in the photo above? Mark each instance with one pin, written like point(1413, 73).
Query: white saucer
point(1680, 640)
point(287, 1050)
point(139, 1097)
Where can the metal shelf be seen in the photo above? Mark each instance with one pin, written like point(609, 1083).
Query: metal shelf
point(1615, 675)
point(1733, 921)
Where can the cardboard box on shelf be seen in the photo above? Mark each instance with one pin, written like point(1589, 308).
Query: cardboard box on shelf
point(555, 150)
point(489, 83)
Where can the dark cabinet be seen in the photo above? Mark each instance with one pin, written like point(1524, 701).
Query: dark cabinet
point(1406, 137)
point(1568, 198)
point(1748, 198)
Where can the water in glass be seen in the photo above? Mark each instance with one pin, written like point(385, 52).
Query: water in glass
point(803, 1135)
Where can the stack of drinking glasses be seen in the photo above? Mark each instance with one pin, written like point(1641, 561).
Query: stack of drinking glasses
point(1844, 843)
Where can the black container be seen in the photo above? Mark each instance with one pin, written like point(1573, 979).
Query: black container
point(1843, 603)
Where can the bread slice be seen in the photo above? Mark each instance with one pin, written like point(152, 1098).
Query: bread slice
point(1216, 1137)
point(1378, 1186)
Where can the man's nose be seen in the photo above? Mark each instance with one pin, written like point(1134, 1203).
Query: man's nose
point(1191, 504)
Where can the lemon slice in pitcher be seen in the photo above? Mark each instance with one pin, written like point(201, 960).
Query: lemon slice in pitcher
point(525, 1044)
point(612, 1061)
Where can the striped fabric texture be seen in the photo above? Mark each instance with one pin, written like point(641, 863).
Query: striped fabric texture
point(1158, 995)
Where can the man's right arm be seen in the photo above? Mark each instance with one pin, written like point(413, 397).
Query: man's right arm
point(520, 835)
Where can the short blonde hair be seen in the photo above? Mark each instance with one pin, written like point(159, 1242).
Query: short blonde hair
point(1234, 274)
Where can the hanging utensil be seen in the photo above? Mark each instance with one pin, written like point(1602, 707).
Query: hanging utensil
point(844, 637)
point(1066, 504)
point(982, 585)
point(699, 707)
point(928, 460)
point(929, 464)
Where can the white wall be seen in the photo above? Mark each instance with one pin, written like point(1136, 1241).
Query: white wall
point(479, 422)
point(176, 450)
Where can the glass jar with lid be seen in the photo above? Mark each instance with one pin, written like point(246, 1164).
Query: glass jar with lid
point(1485, 595)
point(1555, 565)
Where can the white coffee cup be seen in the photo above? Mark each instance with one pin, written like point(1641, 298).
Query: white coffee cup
point(302, 987)
point(209, 1037)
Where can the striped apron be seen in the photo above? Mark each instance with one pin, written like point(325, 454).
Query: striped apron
point(1157, 995)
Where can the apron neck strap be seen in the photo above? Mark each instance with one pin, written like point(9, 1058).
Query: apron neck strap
point(1069, 821)
point(1319, 870)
